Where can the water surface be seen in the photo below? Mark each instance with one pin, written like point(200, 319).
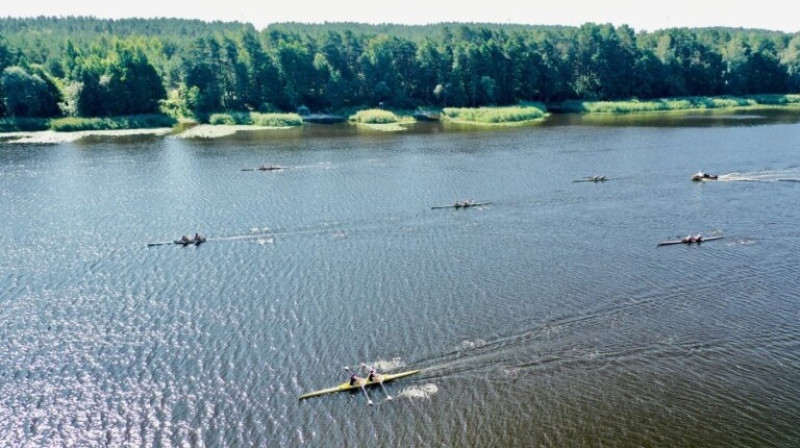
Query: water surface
point(547, 318)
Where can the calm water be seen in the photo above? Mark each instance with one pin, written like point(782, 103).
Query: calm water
point(547, 318)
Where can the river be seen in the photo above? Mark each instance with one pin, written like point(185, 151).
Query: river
point(548, 317)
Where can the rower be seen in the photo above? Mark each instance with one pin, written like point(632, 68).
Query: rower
point(354, 378)
point(375, 377)
point(373, 373)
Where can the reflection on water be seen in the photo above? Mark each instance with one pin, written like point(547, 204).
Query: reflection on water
point(548, 318)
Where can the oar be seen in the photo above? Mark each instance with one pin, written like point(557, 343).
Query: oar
point(160, 244)
point(361, 384)
point(380, 382)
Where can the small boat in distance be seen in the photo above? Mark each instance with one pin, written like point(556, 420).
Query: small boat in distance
point(462, 204)
point(186, 240)
point(598, 178)
point(264, 168)
point(269, 167)
point(701, 176)
point(689, 240)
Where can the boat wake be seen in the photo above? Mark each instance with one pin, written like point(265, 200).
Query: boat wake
point(419, 392)
point(792, 175)
point(387, 365)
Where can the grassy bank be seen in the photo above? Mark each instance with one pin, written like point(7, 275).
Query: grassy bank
point(379, 116)
point(24, 124)
point(495, 115)
point(670, 104)
point(256, 119)
point(74, 124)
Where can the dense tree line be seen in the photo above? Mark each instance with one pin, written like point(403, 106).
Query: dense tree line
point(79, 66)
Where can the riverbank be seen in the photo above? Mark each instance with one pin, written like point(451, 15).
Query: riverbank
point(202, 131)
point(54, 137)
point(675, 104)
point(394, 122)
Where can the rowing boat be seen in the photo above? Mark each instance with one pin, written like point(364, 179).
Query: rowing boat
point(464, 204)
point(203, 239)
point(264, 168)
point(701, 176)
point(193, 241)
point(591, 179)
point(347, 386)
point(690, 242)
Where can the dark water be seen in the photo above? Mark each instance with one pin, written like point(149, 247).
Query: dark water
point(547, 318)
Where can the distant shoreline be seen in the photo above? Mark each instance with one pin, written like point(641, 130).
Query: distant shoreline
point(631, 107)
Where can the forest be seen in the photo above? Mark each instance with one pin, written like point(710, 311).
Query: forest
point(89, 67)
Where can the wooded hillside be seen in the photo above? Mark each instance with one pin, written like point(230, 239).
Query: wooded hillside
point(88, 67)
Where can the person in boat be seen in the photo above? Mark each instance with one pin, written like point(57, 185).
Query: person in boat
point(354, 378)
point(703, 175)
point(198, 238)
point(689, 239)
point(185, 239)
point(373, 373)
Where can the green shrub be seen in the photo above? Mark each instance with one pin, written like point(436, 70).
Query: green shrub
point(73, 124)
point(774, 99)
point(374, 116)
point(24, 124)
point(256, 118)
point(496, 115)
point(221, 119)
point(276, 119)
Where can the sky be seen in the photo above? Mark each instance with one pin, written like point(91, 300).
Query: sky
point(641, 15)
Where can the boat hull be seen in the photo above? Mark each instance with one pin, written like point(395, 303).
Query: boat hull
point(673, 242)
point(468, 205)
point(704, 177)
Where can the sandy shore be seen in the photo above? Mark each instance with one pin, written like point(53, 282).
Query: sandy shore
point(45, 137)
point(199, 131)
point(217, 130)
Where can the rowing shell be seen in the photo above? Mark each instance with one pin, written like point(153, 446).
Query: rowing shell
point(461, 205)
point(264, 168)
point(219, 238)
point(191, 242)
point(671, 242)
point(592, 179)
point(346, 386)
